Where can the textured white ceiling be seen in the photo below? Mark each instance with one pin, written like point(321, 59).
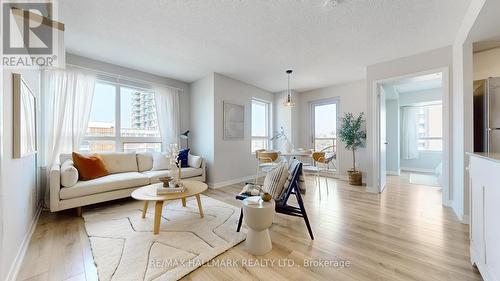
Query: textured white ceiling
point(254, 40)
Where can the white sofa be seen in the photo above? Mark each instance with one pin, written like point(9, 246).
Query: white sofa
point(128, 171)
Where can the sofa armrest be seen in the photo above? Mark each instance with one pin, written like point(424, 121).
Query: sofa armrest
point(55, 186)
point(203, 166)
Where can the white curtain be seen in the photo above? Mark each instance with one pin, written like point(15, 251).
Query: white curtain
point(68, 101)
point(409, 133)
point(167, 110)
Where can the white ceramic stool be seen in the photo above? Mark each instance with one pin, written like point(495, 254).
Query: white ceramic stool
point(258, 217)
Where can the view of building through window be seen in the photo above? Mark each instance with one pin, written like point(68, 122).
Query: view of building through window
point(430, 127)
point(135, 129)
point(325, 126)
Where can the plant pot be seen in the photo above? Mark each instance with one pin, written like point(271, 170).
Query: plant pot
point(355, 178)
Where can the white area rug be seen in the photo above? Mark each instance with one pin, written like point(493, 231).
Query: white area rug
point(430, 180)
point(125, 248)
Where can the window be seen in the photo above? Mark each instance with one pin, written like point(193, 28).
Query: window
point(122, 118)
point(430, 127)
point(325, 126)
point(260, 125)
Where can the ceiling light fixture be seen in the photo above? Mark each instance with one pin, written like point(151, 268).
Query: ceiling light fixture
point(289, 101)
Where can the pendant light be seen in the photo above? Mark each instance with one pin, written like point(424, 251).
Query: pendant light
point(288, 101)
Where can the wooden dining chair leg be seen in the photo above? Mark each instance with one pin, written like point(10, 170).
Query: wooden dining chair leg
point(240, 221)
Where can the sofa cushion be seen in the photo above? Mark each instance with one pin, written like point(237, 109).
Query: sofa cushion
point(154, 176)
point(89, 167)
point(104, 184)
point(194, 161)
point(183, 157)
point(161, 161)
point(144, 161)
point(120, 162)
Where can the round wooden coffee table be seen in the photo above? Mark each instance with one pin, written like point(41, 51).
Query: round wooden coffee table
point(148, 193)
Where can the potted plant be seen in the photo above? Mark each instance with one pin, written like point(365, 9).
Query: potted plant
point(353, 134)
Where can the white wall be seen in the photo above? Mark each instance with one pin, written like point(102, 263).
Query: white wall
point(135, 74)
point(202, 122)
point(352, 98)
point(286, 117)
point(233, 158)
point(228, 161)
point(20, 192)
point(486, 64)
point(419, 63)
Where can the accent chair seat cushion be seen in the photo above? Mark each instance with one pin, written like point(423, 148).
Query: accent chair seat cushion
point(104, 184)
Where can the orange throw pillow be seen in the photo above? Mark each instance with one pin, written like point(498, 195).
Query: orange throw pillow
point(89, 167)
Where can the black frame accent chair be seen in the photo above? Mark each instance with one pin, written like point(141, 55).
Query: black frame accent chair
point(282, 207)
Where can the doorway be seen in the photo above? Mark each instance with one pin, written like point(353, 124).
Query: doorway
point(324, 129)
point(412, 128)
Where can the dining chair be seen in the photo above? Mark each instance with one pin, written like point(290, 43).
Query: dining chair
point(330, 157)
point(319, 165)
point(266, 161)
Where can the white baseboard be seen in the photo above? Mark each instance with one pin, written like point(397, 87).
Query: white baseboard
point(465, 219)
point(393, 173)
point(16, 265)
point(418, 170)
point(229, 182)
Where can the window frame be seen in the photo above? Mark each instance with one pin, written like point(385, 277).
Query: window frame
point(268, 129)
point(117, 138)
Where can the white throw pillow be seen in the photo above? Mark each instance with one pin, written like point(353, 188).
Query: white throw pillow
point(144, 161)
point(161, 161)
point(275, 180)
point(194, 161)
point(69, 174)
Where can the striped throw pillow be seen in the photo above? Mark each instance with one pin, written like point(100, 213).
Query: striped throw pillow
point(275, 181)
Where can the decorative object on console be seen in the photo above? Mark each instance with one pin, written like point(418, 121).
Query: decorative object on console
point(352, 133)
point(166, 180)
point(89, 167)
point(288, 102)
point(266, 197)
point(24, 118)
point(185, 136)
point(234, 121)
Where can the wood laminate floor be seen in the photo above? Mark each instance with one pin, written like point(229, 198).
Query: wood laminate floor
point(403, 234)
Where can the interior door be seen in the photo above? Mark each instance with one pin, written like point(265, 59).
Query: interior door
point(383, 139)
